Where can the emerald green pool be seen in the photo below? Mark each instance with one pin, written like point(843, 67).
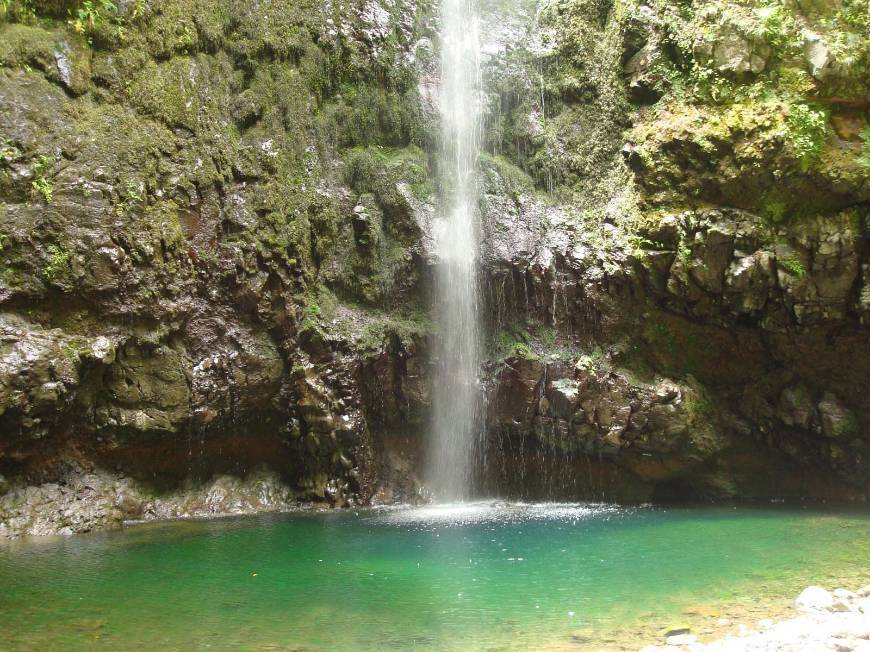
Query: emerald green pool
point(465, 577)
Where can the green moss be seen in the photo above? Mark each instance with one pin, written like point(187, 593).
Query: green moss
point(378, 332)
point(378, 170)
point(590, 362)
point(774, 210)
point(699, 409)
point(514, 343)
point(189, 92)
point(74, 350)
point(516, 180)
point(521, 350)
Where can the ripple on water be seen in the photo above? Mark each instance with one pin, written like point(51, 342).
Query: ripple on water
point(489, 512)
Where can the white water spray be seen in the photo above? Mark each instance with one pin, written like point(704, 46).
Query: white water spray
point(456, 399)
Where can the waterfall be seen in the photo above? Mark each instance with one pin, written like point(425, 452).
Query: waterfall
point(456, 396)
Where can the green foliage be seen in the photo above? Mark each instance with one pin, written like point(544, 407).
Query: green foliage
point(21, 10)
point(58, 263)
point(684, 251)
point(40, 182)
point(8, 151)
point(777, 25)
point(856, 14)
point(129, 198)
point(84, 16)
point(774, 211)
point(699, 409)
point(793, 266)
point(44, 188)
point(90, 14)
point(807, 128)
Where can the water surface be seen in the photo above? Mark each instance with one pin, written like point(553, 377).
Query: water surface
point(463, 577)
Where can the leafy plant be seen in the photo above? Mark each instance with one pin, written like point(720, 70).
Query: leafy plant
point(91, 14)
point(128, 199)
point(793, 266)
point(40, 183)
point(807, 128)
point(16, 9)
point(776, 25)
point(684, 252)
point(58, 262)
point(43, 187)
point(8, 151)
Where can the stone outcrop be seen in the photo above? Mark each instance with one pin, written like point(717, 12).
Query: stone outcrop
point(83, 502)
point(184, 189)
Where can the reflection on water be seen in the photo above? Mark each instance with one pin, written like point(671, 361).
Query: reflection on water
point(464, 576)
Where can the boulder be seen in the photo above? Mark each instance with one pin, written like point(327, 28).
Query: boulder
point(836, 419)
point(814, 599)
point(817, 55)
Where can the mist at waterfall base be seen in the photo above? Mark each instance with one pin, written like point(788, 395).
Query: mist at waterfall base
point(455, 418)
point(472, 577)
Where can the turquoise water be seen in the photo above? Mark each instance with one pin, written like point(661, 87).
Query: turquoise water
point(469, 577)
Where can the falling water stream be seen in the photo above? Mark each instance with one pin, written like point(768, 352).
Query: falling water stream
point(456, 395)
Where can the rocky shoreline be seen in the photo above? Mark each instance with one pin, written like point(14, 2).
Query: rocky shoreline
point(96, 500)
point(837, 620)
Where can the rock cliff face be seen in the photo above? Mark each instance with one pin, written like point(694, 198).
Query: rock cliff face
point(216, 230)
point(686, 307)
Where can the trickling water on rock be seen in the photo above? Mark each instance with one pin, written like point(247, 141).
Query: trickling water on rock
point(456, 396)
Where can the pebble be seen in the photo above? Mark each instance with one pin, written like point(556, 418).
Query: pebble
point(676, 630)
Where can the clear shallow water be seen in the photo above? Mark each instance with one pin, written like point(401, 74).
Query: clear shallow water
point(463, 577)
